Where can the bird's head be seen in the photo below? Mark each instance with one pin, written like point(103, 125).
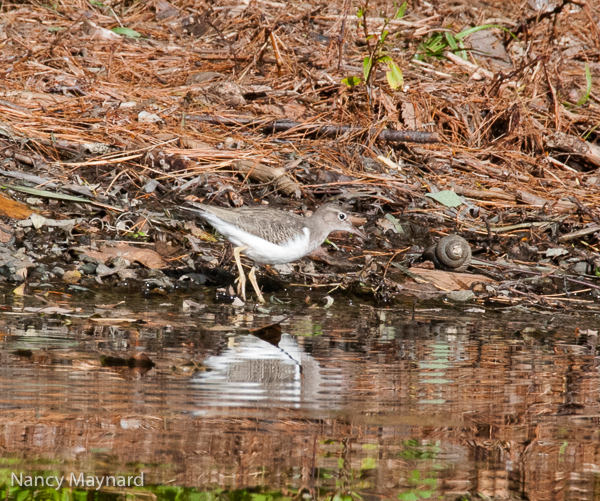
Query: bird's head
point(335, 218)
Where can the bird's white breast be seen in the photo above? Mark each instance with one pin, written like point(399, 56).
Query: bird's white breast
point(260, 250)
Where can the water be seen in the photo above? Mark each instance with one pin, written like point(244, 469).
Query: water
point(346, 401)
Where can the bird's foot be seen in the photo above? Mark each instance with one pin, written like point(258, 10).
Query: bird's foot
point(241, 287)
point(252, 277)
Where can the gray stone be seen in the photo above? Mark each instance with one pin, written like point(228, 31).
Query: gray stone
point(460, 295)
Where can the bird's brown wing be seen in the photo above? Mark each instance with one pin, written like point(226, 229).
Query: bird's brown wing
point(275, 226)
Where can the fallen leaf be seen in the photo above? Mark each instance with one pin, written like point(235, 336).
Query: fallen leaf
point(390, 107)
point(167, 251)
point(148, 258)
point(446, 197)
point(391, 164)
point(289, 111)
point(5, 233)
point(37, 221)
point(50, 310)
point(197, 232)
point(189, 305)
point(409, 116)
point(148, 118)
point(96, 32)
point(71, 277)
point(449, 281)
point(14, 209)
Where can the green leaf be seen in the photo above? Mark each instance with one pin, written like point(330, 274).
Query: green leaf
point(451, 40)
point(425, 494)
point(127, 32)
point(351, 81)
point(97, 3)
point(438, 44)
point(408, 496)
point(383, 36)
point(360, 12)
point(446, 197)
point(396, 223)
point(328, 242)
point(384, 59)
point(394, 76)
point(52, 28)
point(24, 494)
point(470, 31)
point(49, 194)
point(400, 12)
point(455, 44)
point(588, 87)
point(367, 67)
point(58, 196)
point(462, 53)
point(434, 46)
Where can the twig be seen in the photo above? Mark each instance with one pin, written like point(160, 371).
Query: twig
point(554, 99)
point(223, 38)
point(276, 51)
point(341, 39)
point(393, 136)
point(584, 210)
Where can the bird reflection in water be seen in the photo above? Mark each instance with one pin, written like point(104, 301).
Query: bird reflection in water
point(255, 372)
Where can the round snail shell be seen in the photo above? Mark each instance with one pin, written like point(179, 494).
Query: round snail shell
point(450, 253)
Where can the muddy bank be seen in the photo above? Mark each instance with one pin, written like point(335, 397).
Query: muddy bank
point(428, 120)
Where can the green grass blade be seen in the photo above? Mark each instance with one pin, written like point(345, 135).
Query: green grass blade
point(470, 31)
point(588, 86)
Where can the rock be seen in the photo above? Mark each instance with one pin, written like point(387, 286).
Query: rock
point(202, 76)
point(582, 268)
point(88, 269)
point(148, 118)
point(460, 295)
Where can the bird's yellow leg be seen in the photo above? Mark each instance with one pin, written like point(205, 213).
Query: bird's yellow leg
point(252, 277)
point(241, 288)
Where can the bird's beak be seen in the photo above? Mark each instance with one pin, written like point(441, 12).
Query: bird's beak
point(352, 222)
point(356, 231)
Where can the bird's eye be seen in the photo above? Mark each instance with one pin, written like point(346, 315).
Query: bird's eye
point(342, 216)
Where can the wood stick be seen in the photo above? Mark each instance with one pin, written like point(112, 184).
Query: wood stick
point(393, 136)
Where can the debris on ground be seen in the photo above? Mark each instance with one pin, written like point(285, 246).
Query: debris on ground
point(428, 120)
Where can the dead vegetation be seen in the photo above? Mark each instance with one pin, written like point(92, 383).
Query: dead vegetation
point(130, 108)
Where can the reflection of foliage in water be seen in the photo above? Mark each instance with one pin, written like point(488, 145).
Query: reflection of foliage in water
point(307, 328)
point(413, 450)
point(151, 492)
point(421, 485)
point(423, 488)
point(348, 481)
point(341, 482)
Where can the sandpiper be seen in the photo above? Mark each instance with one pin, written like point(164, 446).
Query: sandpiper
point(270, 236)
